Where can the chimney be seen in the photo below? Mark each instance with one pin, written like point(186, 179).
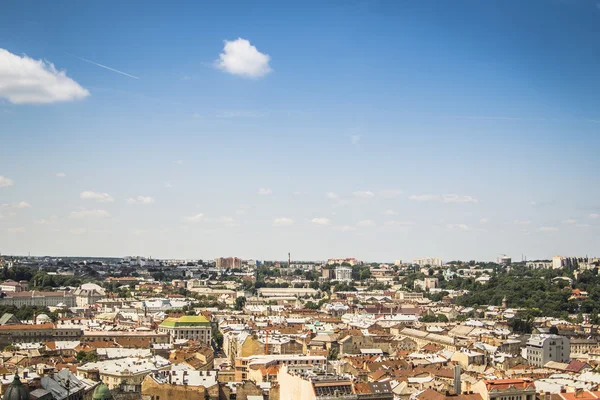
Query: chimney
point(25, 373)
point(457, 384)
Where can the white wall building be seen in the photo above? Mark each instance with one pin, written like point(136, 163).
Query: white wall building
point(544, 348)
point(343, 274)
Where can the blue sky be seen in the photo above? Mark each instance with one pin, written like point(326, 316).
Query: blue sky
point(380, 130)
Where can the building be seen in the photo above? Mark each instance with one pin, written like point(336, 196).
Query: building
point(126, 374)
point(88, 294)
point(505, 389)
point(432, 262)
point(39, 299)
point(409, 296)
point(286, 292)
point(544, 348)
point(314, 386)
point(180, 384)
point(228, 262)
point(504, 260)
point(343, 274)
point(195, 328)
point(426, 284)
point(10, 286)
point(23, 333)
point(350, 261)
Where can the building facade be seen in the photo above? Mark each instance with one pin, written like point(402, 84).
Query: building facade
point(544, 348)
point(195, 328)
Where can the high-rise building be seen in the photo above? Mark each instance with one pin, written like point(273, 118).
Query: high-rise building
point(544, 348)
point(432, 262)
point(343, 274)
point(228, 262)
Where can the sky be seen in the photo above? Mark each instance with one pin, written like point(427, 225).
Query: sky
point(380, 130)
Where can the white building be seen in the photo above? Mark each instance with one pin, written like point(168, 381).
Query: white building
point(426, 284)
point(433, 262)
point(544, 348)
point(343, 274)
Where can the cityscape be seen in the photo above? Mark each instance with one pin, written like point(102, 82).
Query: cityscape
point(316, 200)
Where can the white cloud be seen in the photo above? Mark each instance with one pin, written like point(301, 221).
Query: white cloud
point(5, 182)
point(227, 221)
point(390, 212)
point(446, 198)
point(403, 223)
point(331, 196)
point(484, 220)
point(548, 229)
point(140, 200)
point(77, 231)
point(99, 197)
point(344, 228)
point(53, 219)
point(84, 213)
point(19, 229)
point(364, 194)
point(320, 221)
point(462, 227)
point(594, 216)
point(265, 192)
point(60, 175)
point(521, 222)
point(194, 218)
point(168, 185)
point(283, 221)
point(570, 221)
point(533, 203)
point(24, 80)
point(455, 198)
point(582, 225)
point(365, 223)
point(23, 204)
point(239, 57)
point(178, 162)
point(355, 139)
point(241, 211)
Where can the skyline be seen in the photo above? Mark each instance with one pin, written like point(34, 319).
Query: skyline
point(376, 130)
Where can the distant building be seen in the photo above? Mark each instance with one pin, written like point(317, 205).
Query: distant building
point(504, 260)
point(313, 386)
point(426, 284)
point(343, 274)
point(433, 262)
point(228, 262)
point(505, 389)
point(286, 292)
point(39, 299)
point(87, 294)
point(539, 264)
point(10, 286)
point(544, 348)
point(352, 261)
point(195, 328)
point(398, 263)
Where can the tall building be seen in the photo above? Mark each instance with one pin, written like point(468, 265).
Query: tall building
point(228, 262)
point(343, 274)
point(433, 262)
point(544, 348)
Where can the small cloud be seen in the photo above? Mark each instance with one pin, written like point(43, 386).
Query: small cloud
point(5, 182)
point(24, 80)
point(168, 185)
point(462, 227)
point(194, 218)
point(98, 197)
point(364, 194)
point(548, 229)
point(52, 220)
point(60, 175)
point(297, 193)
point(265, 192)
point(84, 213)
point(138, 232)
point(140, 200)
point(455, 198)
point(355, 139)
point(521, 222)
point(533, 203)
point(446, 198)
point(332, 196)
point(227, 221)
point(241, 211)
point(23, 204)
point(582, 225)
point(390, 212)
point(196, 115)
point(186, 78)
point(241, 58)
point(594, 216)
point(569, 221)
point(178, 162)
point(320, 221)
point(283, 222)
point(19, 229)
point(77, 231)
point(240, 114)
point(400, 223)
point(367, 223)
point(344, 228)
point(483, 221)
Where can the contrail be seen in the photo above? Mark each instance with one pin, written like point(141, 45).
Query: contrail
point(104, 66)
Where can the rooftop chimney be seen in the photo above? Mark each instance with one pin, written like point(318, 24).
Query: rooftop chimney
point(457, 384)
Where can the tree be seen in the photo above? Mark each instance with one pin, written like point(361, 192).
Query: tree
point(553, 330)
point(240, 302)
